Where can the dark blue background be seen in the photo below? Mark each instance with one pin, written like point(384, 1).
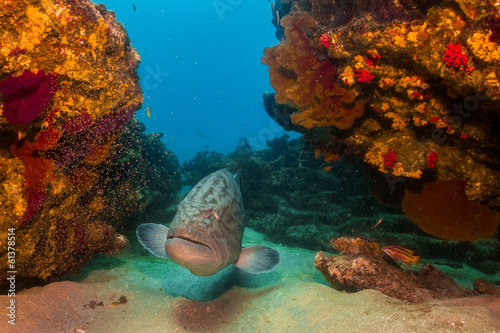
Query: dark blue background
point(201, 70)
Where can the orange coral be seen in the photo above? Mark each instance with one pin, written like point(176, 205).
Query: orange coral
point(38, 172)
point(307, 83)
point(83, 179)
point(329, 155)
point(47, 138)
point(99, 153)
point(442, 210)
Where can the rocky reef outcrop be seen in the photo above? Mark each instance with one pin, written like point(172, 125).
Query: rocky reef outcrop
point(363, 265)
point(411, 88)
point(68, 87)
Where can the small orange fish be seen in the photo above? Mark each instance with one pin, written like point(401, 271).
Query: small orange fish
point(402, 254)
point(376, 224)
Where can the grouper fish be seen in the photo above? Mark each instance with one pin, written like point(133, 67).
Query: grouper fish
point(205, 235)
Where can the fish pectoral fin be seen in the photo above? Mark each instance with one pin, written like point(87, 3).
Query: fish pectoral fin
point(153, 237)
point(258, 259)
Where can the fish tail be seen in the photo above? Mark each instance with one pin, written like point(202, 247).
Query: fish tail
point(153, 237)
point(258, 259)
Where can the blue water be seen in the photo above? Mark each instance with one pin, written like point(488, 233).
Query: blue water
point(201, 71)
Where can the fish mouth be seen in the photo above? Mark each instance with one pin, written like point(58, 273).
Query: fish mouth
point(190, 240)
point(192, 251)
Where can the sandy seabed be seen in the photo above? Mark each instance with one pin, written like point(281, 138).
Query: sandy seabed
point(160, 296)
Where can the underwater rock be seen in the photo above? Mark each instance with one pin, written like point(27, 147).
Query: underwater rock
point(363, 265)
point(416, 81)
point(68, 86)
point(280, 113)
point(484, 287)
point(280, 8)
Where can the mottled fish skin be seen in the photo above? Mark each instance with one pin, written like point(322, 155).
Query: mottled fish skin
point(206, 233)
point(212, 214)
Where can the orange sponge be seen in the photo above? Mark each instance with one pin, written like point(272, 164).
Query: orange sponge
point(338, 109)
point(305, 80)
point(442, 210)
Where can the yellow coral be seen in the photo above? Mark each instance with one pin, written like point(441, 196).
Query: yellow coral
point(359, 62)
point(440, 123)
point(385, 81)
point(396, 35)
point(400, 172)
point(397, 122)
point(481, 47)
point(348, 76)
point(37, 27)
point(419, 122)
point(385, 107)
point(98, 38)
point(412, 36)
point(57, 9)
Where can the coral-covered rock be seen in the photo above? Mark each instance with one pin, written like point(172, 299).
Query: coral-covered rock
point(364, 266)
point(300, 77)
point(426, 73)
point(68, 86)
